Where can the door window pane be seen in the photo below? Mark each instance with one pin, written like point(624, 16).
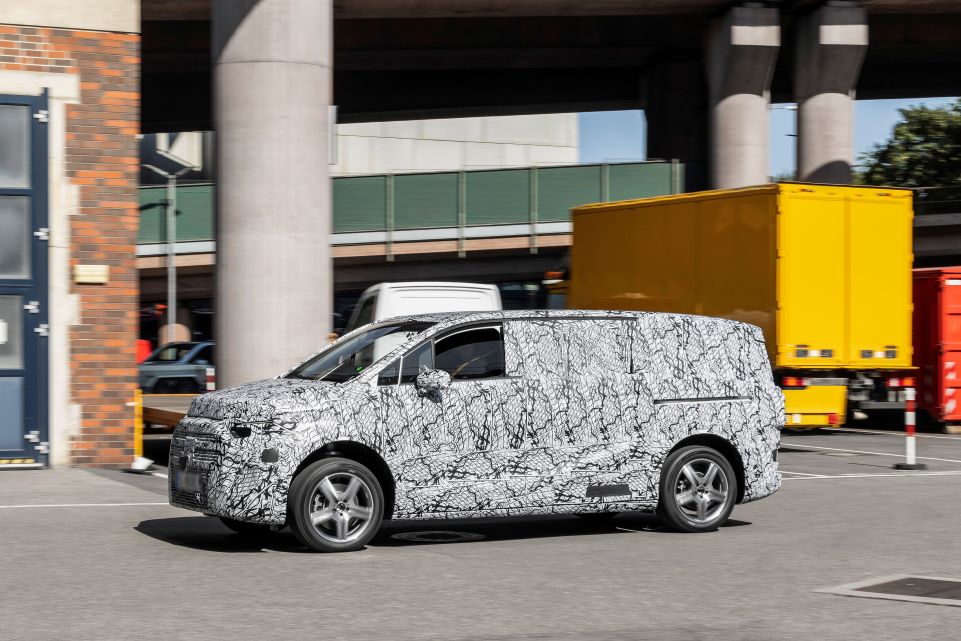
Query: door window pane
point(416, 362)
point(11, 332)
point(14, 237)
point(15, 146)
point(11, 418)
point(476, 353)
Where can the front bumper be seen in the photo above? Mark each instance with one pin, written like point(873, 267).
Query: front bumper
point(233, 480)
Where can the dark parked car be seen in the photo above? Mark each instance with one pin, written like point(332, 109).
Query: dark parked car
point(177, 368)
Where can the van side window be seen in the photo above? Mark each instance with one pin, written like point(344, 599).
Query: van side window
point(473, 353)
point(415, 362)
point(366, 312)
point(597, 347)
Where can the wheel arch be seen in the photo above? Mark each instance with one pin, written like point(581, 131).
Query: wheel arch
point(726, 449)
point(362, 454)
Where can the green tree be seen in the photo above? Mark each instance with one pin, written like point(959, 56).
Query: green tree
point(924, 150)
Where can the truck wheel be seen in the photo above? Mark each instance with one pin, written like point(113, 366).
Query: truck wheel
point(165, 386)
point(186, 386)
point(252, 530)
point(335, 505)
point(697, 489)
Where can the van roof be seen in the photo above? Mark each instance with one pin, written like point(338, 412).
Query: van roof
point(453, 317)
point(434, 285)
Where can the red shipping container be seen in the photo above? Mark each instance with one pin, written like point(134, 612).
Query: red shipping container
point(937, 341)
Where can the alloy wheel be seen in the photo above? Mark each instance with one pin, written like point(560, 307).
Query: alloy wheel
point(701, 491)
point(341, 507)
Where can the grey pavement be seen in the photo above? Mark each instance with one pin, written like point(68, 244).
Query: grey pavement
point(150, 571)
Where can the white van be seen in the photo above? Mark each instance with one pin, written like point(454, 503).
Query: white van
point(387, 300)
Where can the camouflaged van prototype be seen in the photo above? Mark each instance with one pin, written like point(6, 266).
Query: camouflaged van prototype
point(489, 414)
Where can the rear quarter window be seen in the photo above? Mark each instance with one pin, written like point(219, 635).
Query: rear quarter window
point(691, 357)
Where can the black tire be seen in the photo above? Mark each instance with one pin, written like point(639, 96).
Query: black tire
point(186, 386)
point(705, 511)
point(348, 522)
point(165, 386)
point(252, 530)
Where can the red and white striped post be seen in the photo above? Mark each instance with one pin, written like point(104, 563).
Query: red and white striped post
point(910, 462)
point(211, 379)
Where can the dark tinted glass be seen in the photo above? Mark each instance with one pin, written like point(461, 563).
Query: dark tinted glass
point(348, 358)
point(388, 375)
point(171, 353)
point(477, 353)
point(366, 313)
point(416, 362)
point(204, 355)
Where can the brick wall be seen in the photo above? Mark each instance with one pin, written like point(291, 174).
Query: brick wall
point(102, 161)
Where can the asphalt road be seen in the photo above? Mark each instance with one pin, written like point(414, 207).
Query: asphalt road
point(99, 555)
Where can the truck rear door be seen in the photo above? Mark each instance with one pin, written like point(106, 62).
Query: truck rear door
point(812, 280)
point(879, 292)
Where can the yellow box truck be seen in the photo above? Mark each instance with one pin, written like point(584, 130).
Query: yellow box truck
point(824, 270)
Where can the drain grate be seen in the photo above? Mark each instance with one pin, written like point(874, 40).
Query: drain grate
point(438, 536)
point(919, 589)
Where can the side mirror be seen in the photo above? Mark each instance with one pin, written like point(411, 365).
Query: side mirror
point(432, 381)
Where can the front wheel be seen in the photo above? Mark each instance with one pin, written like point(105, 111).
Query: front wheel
point(697, 489)
point(335, 505)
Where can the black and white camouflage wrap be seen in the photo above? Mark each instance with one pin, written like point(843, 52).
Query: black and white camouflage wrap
point(589, 398)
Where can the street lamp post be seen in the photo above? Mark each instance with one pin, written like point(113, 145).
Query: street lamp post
point(171, 228)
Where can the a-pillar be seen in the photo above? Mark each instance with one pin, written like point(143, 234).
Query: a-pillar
point(831, 43)
point(742, 50)
point(272, 89)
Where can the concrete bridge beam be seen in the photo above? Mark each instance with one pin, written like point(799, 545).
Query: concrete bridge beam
point(742, 50)
point(830, 48)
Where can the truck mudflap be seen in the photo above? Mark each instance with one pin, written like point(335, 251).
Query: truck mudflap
point(814, 405)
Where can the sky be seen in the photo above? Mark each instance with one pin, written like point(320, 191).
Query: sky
point(618, 136)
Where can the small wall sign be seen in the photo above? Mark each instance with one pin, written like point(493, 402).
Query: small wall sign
point(91, 274)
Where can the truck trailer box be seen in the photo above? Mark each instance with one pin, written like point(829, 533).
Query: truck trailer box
point(937, 343)
point(824, 270)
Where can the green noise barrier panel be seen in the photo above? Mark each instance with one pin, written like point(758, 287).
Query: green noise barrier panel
point(432, 200)
point(424, 200)
point(499, 197)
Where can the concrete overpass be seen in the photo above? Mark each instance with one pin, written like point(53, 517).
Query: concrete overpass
point(263, 73)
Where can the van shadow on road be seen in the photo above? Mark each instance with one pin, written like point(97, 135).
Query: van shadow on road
point(209, 535)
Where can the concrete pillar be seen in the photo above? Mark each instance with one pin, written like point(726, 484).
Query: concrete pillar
point(741, 53)
point(674, 99)
point(272, 89)
point(830, 48)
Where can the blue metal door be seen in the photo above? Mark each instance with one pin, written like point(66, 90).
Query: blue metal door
point(23, 281)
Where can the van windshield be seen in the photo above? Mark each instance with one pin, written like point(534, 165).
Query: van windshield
point(346, 361)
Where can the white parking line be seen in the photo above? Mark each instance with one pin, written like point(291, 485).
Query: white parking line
point(11, 507)
point(160, 474)
point(867, 476)
point(862, 430)
point(798, 473)
point(838, 449)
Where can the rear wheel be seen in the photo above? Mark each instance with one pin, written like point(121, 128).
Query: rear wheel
point(697, 489)
point(186, 386)
point(335, 505)
point(165, 386)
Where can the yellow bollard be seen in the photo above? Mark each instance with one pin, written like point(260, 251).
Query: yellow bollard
point(138, 423)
